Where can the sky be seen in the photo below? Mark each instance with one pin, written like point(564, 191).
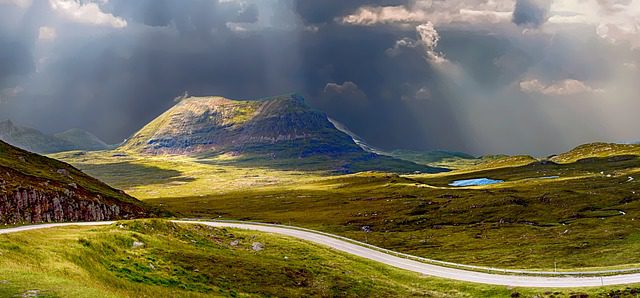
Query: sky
point(480, 76)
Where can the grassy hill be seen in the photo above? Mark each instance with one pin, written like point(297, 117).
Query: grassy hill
point(35, 188)
point(597, 150)
point(160, 259)
point(279, 132)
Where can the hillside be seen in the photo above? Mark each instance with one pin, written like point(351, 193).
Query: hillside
point(36, 189)
point(282, 132)
point(173, 260)
point(35, 141)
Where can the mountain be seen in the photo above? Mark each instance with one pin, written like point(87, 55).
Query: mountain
point(279, 131)
point(82, 140)
point(35, 189)
point(35, 141)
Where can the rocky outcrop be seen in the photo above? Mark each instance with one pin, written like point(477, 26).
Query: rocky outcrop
point(34, 206)
point(37, 189)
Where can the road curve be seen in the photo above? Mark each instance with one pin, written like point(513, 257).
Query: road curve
point(395, 261)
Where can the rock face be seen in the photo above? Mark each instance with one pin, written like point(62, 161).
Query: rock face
point(31, 206)
point(36, 189)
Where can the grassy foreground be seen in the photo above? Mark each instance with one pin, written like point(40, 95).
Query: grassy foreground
point(577, 214)
point(154, 258)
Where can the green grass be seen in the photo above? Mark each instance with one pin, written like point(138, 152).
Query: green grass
point(524, 223)
point(198, 261)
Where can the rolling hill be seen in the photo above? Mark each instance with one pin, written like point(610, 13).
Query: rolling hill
point(35, 189)
point(281, 132)
point(597, 150)
point(36, 141)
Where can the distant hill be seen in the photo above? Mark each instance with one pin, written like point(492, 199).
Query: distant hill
point(442, 158)
point(35, 141)
point(278, 132)
point(35, 189)
point(82, 140)
point(596, 150)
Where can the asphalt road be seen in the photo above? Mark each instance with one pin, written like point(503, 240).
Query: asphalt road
point(398, 262)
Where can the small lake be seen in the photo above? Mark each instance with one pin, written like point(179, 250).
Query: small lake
point(475, 182)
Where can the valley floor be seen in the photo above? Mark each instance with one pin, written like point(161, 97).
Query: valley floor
point(583, 218)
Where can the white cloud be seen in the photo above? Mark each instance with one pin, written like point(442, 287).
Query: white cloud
point(617, 21)
point(400, 44)
point(87, 13)
point(437, 12)
point(238, 27)
point(614, 21)
point(344, 88)
point(371, 15)
point(19, 3)
point(47, 33)
point(631, 66)
point(348, 91)
point(421, 95)
point(429, 38)
point(558, 88)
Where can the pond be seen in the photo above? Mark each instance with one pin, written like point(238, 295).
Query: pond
point(475, 182)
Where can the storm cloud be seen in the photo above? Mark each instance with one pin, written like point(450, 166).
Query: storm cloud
point(111, 66)
point(531, 13)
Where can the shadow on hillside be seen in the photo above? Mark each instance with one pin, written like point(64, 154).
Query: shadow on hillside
point(341, 164)
point(137, 174)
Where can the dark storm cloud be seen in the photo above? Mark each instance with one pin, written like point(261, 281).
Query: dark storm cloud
point(531, 13)
point(338, 54)
point(15, 58)
point(17, 39)
point(192, 16)
point(112, 80)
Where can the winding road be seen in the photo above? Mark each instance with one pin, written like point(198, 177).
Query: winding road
point(393, 259)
